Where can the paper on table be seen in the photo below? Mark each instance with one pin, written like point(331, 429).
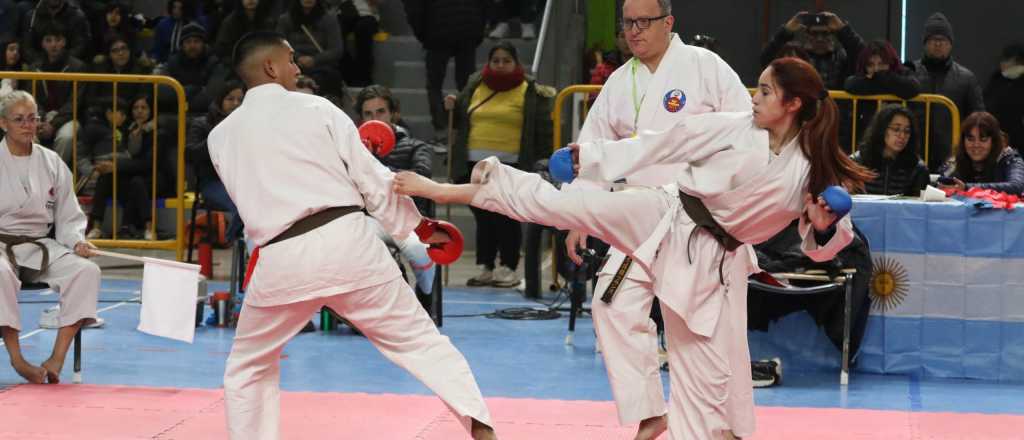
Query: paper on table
point(169, 290)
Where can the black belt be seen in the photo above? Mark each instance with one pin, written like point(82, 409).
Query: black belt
point(13, 240)
point(700, 215)
point(314, 221)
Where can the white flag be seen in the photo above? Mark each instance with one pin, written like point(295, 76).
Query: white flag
point(169, 291)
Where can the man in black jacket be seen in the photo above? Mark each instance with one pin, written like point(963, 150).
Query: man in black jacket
point(939, 74)
point(196, 68)
point(47, 14)
point(447, 29)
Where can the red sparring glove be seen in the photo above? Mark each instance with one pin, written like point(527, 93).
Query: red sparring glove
point(441, 253)
point(378, 137)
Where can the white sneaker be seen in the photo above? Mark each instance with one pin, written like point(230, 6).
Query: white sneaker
point(149, 235)
point(500, 31)
point(485, 278)
point(48, 319)
point(505, 277)
point(528, 31)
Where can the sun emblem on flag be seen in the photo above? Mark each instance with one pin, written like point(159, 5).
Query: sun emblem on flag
point(888, 284)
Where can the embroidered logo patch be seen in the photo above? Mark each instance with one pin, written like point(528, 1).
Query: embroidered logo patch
point(674, 100)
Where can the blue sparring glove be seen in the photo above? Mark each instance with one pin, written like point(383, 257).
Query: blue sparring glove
point(560, 165)
point(838, 200)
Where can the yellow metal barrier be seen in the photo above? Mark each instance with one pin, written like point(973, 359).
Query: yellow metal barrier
point(178, 202)
point(556, 114)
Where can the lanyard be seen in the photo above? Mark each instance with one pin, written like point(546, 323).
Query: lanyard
point(636, 103)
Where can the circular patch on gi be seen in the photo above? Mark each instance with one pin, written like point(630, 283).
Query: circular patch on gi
point(674, 100)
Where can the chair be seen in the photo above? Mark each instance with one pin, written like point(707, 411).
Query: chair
point(77, 377)
point(844, 281)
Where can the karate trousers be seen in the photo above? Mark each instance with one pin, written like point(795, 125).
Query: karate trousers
point(710, 388)
point(388, 315)
point(76, 280)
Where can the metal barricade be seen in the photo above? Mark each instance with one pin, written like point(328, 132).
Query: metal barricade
point(178, 202)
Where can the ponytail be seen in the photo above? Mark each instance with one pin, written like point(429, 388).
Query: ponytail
point(819, 128)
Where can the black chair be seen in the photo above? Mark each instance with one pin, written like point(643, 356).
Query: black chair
point(818, 283)
point(77, 376)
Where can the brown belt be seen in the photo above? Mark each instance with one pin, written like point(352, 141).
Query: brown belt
point(13, 240)
point(314, 221)
point(701, 216)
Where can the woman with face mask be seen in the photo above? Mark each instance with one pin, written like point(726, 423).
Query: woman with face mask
point(1004, 94)
point(984, 160)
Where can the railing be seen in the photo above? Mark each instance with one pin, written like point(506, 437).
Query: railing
point(178, 243)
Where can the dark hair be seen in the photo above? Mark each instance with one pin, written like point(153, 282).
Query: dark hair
point(793, 49)
point(506, 46)
point(376, 91)
point(298, 17)
point(226, 88)
point(884, 50)
point(988, 126)
point(873, 145)
point(818, 118)
point(4, 42)
point(107, 104)
point(121, 7)
point(53, 29)
point(189, 9)
point(252, 42)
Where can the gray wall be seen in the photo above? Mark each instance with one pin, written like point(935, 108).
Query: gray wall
point(981, 27)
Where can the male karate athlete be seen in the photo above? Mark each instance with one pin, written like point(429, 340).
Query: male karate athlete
point(665, 82)
point(300, 176)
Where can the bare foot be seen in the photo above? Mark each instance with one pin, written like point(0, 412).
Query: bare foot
point(53, 367)
point(480, 431)
point(31, 373)
point(412, 184)
point(651, 428)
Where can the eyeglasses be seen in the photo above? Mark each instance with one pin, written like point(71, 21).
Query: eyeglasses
point(641, 23)
point(899, 130)
point(25, 120)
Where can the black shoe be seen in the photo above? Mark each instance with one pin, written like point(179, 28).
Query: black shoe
point(766, 373)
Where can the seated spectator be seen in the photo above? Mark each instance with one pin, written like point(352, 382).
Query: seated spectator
point(118, 59)
point(54, 97)
point(134, 157)
point(983, 159)
point(225, 100)
point(890, 150)
point(1004, 94)
point(938, 73)
point(360, 21)
point(196, 68)
point(376, 103)
point(879, 72)
point(116, 23)
point(167, 34)
point(29, 215)
point(12, 61)
point(247, 16)
point(316, 38)
point(501, 112)
point(55, 13)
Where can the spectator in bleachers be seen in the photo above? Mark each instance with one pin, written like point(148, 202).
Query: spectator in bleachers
point(134, 159)
point(879, 72)
point(226, 99)
point(10, 18)
point(793, 49)
point(938, 73)
point(501, 112)
point(118, 59)
point(360, 21)
point(984, 160)
point(1004, 94)
point(60, 13)
point(167, 34)
point(115, 23)
point(889, 149)
point(447, 29)
point(819, 32)
point(247, 16)
point(376, 103)
point(316, 38)
point(54, 97)
point(12, 61)
point(196, 68)
point(524, 10)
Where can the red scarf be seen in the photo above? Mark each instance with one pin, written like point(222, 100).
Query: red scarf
point(501, 81)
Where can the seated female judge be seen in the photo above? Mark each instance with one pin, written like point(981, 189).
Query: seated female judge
point(984, 160)
point(890, 150)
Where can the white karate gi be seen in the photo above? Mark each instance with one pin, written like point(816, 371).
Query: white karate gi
point(283, 156)
point(37, 191)
point(723, 159)
point(625, 332)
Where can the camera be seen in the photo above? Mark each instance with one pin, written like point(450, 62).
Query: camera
point(810, 20)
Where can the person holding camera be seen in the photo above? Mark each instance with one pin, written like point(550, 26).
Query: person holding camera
point(818, 32)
